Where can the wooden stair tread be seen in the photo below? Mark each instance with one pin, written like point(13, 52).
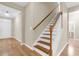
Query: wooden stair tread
point(42, 49)
point(46, 33)
point(49, 34)
point(46, 43)
point(45, 38)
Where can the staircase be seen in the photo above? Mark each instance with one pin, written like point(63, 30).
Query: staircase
point(42, 46)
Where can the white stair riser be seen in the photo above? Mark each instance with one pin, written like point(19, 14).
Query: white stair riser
point(46, 36)
point(48, 41)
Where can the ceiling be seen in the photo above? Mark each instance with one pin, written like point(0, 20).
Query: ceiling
point(22, 4)
point(71, 4)
point(11, 11)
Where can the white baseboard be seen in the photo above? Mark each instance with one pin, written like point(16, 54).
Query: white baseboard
point(6, 37)
point(18, 39)
point(62, 49)
point(27, 46)
point(24, 44)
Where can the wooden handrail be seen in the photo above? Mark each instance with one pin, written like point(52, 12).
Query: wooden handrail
point(51, 30)
point(44, 18)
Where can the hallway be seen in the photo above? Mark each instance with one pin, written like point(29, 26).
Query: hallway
point(72, 49)
point(11, 47)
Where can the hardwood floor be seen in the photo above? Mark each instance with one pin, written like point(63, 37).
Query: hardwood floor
point(11, 47)
point(72, 49)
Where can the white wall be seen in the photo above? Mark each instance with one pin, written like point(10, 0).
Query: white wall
point(61, 30)
point(57, 37)
point(17, 27)
point(64, 28)
point(40, 10)
point(34, 13)
point(5, 28)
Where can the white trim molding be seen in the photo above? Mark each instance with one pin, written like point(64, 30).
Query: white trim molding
point(62, 49)
point(27, 46)
point(21, 43)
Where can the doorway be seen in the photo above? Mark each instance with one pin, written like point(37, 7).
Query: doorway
point(74, 25)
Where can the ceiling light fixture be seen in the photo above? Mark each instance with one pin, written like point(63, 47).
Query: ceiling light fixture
point(7, 14)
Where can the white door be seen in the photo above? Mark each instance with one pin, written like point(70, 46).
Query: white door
point(5, 28)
